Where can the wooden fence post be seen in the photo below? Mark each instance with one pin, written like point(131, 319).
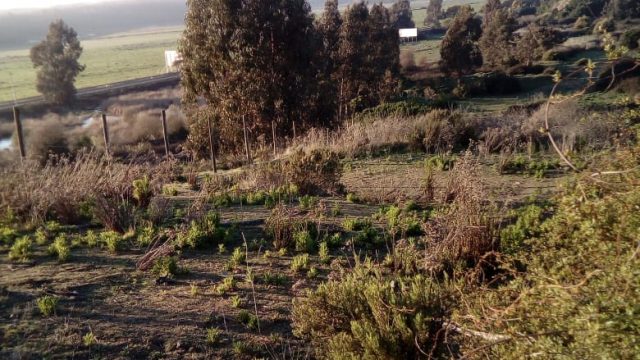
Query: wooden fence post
point(16, 118)
point(246, 139)
point(212, 146)
point(105, 131)
point(294, 129)
point(165, 133)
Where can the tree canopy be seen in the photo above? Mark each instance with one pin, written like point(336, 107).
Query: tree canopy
point(56, 61)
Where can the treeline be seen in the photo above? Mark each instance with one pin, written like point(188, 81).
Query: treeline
point(274, 67)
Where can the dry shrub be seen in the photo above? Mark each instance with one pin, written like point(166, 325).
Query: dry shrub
point(69, 189)
point(572, 127)
point(47, 139)
point(466, 231)
point(314, 172)
point(438, 131)
point(407, 60)
point(282, 225)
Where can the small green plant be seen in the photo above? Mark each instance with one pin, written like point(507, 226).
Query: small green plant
point(42, 238)
point(335, 210)
point(146, 236)
point(238, 257)
point(21, 250)
point(300, 262)
point(91, 239)
point(60, 248)
point(323, 252)
point(113, 241)
point(89, 339)
point(308, 201)
point(170, 190)
point(282, 252)
point(47, 305)
point(277, 279)
point(222, 249)
point(7, 235)
point(335, 241)
point(248, 319)
point(304, 242)
point(312, 273)
point(194, 290)
point(213, 336)
point(53, 227)
point(352, 198)
point(165, 266)
point(142, 192)
point(236, 301)
point(229, 283)
point(240, 348)
point(355, 224)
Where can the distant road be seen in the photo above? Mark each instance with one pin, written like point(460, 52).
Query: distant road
point(106, 90)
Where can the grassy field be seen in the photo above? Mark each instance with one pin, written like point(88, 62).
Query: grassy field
point(108, 59)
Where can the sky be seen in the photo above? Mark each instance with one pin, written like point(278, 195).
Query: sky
point(39, 4)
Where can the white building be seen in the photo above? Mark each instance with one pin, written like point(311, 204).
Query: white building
point(408, 34)
point(172, 60)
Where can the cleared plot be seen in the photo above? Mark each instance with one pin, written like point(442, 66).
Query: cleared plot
point(108, 59)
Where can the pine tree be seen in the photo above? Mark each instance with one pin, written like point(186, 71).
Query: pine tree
point(434, 13)
point(489, 8)
point(56, 59)
point(496, 40)
point(401, 15)
point(534, 42)
point(459, 51)
point(385, 54)
point(327, 63)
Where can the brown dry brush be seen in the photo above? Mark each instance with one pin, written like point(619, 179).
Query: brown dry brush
point(467, 231)
point(70, 190)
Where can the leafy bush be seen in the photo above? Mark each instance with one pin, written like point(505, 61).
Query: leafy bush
point(527, 225)
point(47, 305)
point(166, 266)
point(248, 319)
point(7, 235)
point(282, 226)
point(22, 249)
point(304, 242)
point(60, 248)
point(238, 257)
point(113, 241)
point(203, 232)
point(142, 191)
point(91, 239)
point(323, 253)
point(308, 201)
point(300, 262)
point(366, 315)
point(277, 279)
point(213, 336)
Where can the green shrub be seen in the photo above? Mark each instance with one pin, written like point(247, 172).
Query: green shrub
point(91, 239)
point(248, 319)
point(277, 279)
point(304, 242)
point(356, 224)
point(47, 305)
point(7, 235)
point(308, 201)
point(170, 190)
point(146, 236)
point(89, 339)
point(142, 192)
point(22, 249)
point(166, 266)
point(323, 253)
point(527, 225)
point(441, 162)
point(113, 241)
point(282, 226)
point(238, 257)
point(300, 262)
point(213, 336)
point(352, 198)
point(222, 249)
point(236, 301)
point(630, 38)
point(312, 273)
point(60, 248)
point(368, 316)
point(42, 237)
point(203, 232)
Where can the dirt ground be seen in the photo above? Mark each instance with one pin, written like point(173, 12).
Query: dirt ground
point(135, 315)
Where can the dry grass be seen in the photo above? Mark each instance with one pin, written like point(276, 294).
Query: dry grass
point(60, 190)
point(437, 131)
